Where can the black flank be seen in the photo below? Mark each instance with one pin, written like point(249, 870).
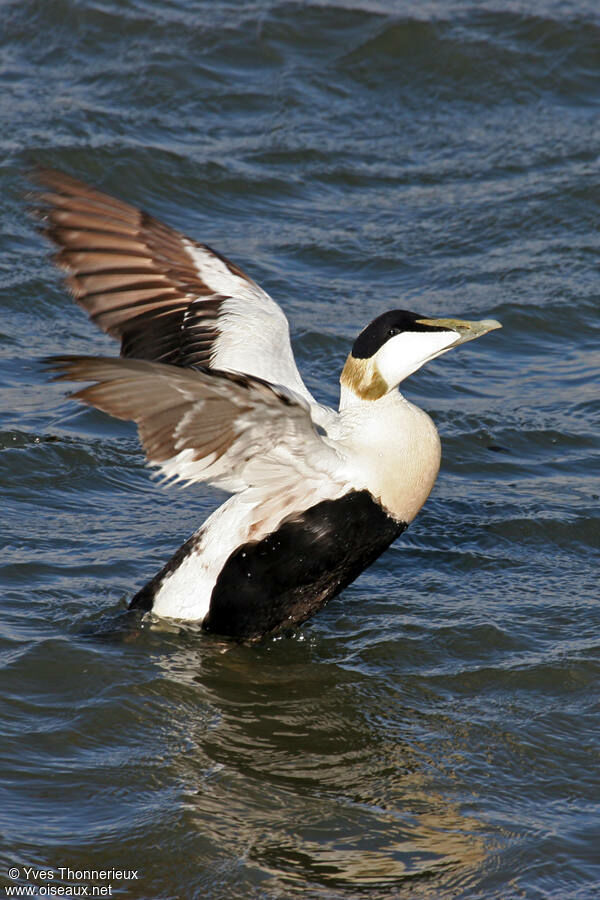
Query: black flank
point(282, 580)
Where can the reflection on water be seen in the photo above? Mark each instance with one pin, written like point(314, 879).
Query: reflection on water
point(287, 771)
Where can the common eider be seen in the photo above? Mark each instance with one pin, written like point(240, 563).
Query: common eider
point(208, 374)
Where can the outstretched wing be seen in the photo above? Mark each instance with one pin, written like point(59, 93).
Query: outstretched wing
point(233, 431)
point(166, 297)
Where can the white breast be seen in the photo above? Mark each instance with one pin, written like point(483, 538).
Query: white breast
point(394, 451)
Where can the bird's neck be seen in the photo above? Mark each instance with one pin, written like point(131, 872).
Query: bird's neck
point(349, 399)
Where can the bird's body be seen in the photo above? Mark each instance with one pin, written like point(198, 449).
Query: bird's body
point(388, 463)
point(207, 372)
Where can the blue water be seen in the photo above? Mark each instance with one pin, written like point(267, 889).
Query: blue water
point(435, 731)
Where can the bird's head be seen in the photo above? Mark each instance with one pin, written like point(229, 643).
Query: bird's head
point(399, 342)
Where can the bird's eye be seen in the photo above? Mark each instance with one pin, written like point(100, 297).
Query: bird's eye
point(393, 331)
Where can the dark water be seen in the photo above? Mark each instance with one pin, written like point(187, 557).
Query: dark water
point(435, 732)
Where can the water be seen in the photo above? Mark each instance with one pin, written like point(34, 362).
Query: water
point(435, 731)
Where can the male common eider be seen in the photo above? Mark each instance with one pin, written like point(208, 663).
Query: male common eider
point(208, 374)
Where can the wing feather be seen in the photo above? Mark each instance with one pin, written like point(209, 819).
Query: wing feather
point(233, 431)
point(166, 297)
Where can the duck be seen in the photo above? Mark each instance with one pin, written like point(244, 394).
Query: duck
point(207, 372)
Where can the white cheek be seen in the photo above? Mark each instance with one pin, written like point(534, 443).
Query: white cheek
point(405, 353)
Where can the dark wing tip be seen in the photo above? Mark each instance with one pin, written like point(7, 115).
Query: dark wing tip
point(55, 179)
point(45, 178)
point(66, 368)
point(37, 204)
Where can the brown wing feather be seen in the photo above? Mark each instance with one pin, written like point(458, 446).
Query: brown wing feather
point(131, 273)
